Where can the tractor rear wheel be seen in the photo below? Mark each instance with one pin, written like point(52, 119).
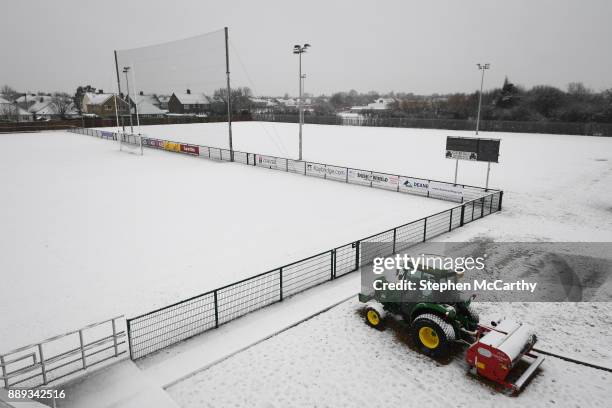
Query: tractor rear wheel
point(373, 318)
point(432, 335)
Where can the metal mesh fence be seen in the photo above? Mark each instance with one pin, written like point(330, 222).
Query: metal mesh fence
point(159, 329)
point(307, 273)
point(565, 128)
point(346, 259)
point(171, 324)
point(247, 296)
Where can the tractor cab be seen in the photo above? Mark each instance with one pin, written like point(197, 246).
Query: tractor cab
point(414, 291)
point(418, 284)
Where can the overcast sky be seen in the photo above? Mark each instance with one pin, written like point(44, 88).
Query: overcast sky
point(406, 45)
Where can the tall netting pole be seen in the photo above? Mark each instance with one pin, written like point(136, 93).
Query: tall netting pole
point(118, 89)
point(136, 94)
point(229, 97)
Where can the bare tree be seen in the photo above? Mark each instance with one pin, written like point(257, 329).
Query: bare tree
point(9, 112)
point(9, 93)
point(62, 103)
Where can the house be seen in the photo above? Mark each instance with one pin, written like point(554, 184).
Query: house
point(12, 112)
point(188, 103)
point(148, 106)
point(378, 104)
point(103, 105)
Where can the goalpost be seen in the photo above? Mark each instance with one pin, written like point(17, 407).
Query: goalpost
point(130, 143)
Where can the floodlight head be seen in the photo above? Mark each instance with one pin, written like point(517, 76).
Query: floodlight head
point(306, 45)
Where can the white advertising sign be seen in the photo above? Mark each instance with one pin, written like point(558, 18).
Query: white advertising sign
point(269, 162)
point(315, 169)
point(387, 181)
point(336, 173)
point(446, 191)
point(359, 177)
point(413, 185)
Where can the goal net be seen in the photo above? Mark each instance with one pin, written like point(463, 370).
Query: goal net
point(182, 82)
point(130, 143)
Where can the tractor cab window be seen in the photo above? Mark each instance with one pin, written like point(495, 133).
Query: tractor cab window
point(430, 278)
point(408, 274)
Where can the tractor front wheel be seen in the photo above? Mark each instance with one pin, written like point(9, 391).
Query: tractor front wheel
point(373, 318)
point(432, 335)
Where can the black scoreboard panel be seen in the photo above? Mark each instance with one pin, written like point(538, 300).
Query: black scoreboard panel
point(462, 144)
point(485, 150)
point(488, 150)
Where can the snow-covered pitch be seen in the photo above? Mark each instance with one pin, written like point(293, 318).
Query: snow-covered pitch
point(90, 232)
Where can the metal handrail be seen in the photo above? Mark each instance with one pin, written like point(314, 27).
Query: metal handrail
point(42, 366)
point(89, 326)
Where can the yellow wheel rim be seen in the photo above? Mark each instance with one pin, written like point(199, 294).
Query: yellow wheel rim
point(373, 317)
point(429, 337)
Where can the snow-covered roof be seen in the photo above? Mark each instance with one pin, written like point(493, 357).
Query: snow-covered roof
point(145, 107)
point(18, 110)
point(39, 103)
point(264, 101)
point(163, 98)
point(96, 98)
point(192, 98)
point(32, 97)
point(287, 102)
point(51, 109)
point(150, 98)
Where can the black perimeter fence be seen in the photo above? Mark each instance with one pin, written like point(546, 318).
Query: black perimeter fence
point(563, 128)
point(161, 328)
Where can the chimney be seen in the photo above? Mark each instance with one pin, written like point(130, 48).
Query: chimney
point(100, 91)
point(189, 92)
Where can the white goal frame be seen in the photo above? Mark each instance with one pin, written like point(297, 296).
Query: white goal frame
point(130, 143)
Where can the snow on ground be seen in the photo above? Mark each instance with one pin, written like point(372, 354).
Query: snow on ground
point(336, 360)
point(90, 232)
point(557, 187)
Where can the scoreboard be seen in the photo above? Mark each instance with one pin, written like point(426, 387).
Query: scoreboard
point(475, 149)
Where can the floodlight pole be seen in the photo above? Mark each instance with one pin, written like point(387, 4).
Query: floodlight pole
point(229, 96)
point(127, 84)
point(481, 67)
point(300, 107)
point(118, 89)
point(300, 49)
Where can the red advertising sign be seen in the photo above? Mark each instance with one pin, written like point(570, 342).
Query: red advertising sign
point(190, 149)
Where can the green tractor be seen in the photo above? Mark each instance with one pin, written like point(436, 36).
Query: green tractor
point(434, 323)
